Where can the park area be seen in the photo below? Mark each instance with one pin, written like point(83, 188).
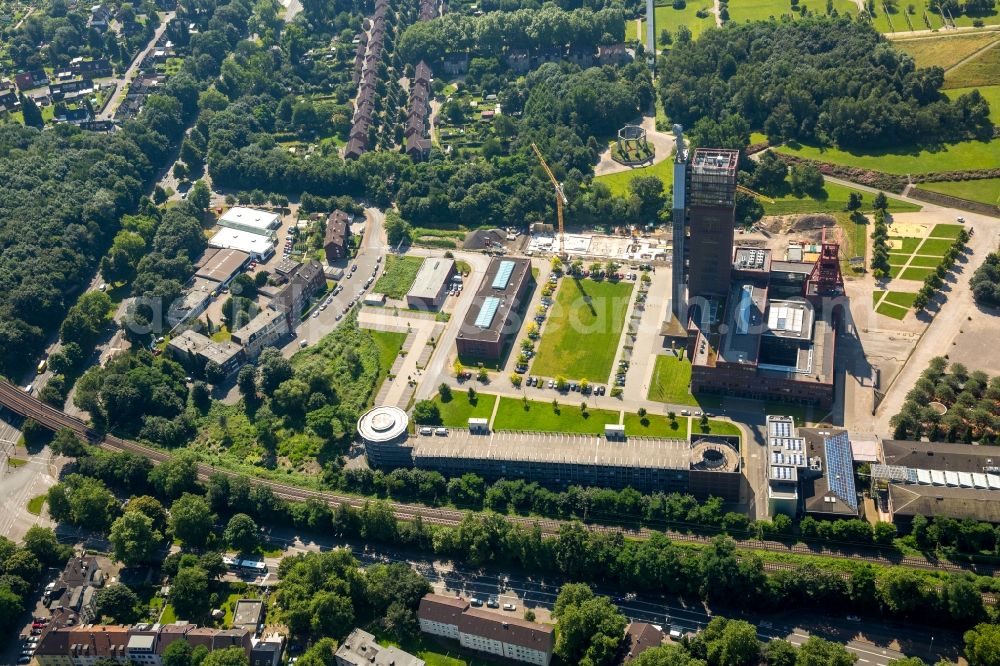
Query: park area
point(458, 407)
point(618, 182)
point(980, 70)
point(763, 10)
point(945, 51)
point(832, 199)
point(962, 156)
point(913, 257)
point(398, 277)
point(668, 18)
point(671, 383)
point(515, 414)
point(984, 190)
point(581, 336)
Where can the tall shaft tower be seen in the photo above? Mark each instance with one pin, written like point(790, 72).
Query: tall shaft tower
point(679, 297)
point(651, 32)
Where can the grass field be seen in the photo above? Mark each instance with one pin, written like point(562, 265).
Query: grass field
point(907, 244)
point(946, 231)
point(759, 10)
point(426, 648)
point(398, 276)
point(35, 504)
point(670, 18)
point(618, 182)
point(899, 259)
point(832, 199)
point(514, 414)
point(876, 297)
point(16, 462)
point(983, 70)
point(894, 271)
point(985, 191)
point(654, 425)
point(944, 51)
point(455, 413)
point(953, 157)
point(715, 427)
point(926, 262)
point(894, 311)
point(903, 298)
point(934, 247)
point(581, 336)
point(990, 93)
point(671, 383)
point(389, 344)
point(916, 273)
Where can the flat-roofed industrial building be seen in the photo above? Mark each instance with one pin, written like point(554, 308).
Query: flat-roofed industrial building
point(430, 286)
point(221, 265)
point(251, 220)
point(257, 246)
point(494, 318)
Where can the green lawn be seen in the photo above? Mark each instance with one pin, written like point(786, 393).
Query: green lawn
point(832, 199)
point(925, 262)
point(515, 414)
point(876, 297)
point(942, 50)
point(670, 18)
point(946, 231)
point(985, 191)
point(890, 310)
point(389, 343)
point(581, 335)
point(759, 10)
point(672, 384)
point(456, 412)
point(16, 462)
point(653, 425)
point(934, 247)
point(898, 259)
point(916, 273)
point(433, 652)
point(991, 18)
point(908, 244)
point(716, 427)
point(398, 276)
point(960, 156)
point(35, 504)
point(903, 298)
point(894, 271)
point(990, 93)
point(618, 182)
point(982, 70)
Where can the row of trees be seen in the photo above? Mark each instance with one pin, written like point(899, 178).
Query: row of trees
point(985, 282)
point(935, 280)
point(21, 569)
point(833, 81)
point(972, 399)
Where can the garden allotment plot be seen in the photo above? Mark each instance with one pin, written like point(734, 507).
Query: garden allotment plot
point(581, 335)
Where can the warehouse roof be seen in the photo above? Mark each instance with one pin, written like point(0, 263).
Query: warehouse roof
point(431, 277)
point(251, 218)
point(233, 239)
point(222, 265)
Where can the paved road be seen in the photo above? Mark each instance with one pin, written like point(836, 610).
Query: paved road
point(20, 484)
point(121, 83)
point(312, 329)
point(875, 643)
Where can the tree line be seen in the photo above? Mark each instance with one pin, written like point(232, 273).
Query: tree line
point(828, 81)
point(21, 568)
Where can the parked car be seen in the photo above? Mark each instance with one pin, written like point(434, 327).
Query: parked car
point(685, 412)
point(493, 602)
point(354, 268)
point(509, 607)
point(475, 601)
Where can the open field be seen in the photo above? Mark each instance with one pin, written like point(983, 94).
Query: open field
point(903, 298)
point(935, 247)
point(985, 191)
point(514, 414)
point(926, 262)
point(455, 413)
point(990, 93)
point(618, 182)
point(905, 245)
point(983, 70)
point(989, 18)
point(389, 344)
point(946, 231)
point(398, 276)
point(918, 274)
point(653, 425)
point(944, 51)
point(762, 10)
point(832, 199)
point(960, 156)
point(581, 336)
point(670, 18)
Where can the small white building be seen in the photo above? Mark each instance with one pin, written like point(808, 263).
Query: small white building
point(257, 246)
point(251, 220)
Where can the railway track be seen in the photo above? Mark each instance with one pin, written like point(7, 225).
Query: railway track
point(27, 406)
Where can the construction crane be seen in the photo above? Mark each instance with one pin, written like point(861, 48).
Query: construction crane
point(560, 200)
point(747, 190)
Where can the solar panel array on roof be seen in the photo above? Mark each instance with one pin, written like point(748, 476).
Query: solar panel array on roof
point(487, 312)
point(503, 275)
point(840, 468)
point(785, 319)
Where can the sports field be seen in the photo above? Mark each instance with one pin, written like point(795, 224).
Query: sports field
point(618, 182)
point(985, 191)
point(944, 51)
point(960, 156)
point(983, 70)
point(515, 414)
point(581, 335)
point(832, 199)
point(670, 18)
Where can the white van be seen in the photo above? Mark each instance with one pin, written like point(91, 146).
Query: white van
point(426, 431)
point(443, 432)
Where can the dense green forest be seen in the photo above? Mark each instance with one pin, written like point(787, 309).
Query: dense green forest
point(833, 81)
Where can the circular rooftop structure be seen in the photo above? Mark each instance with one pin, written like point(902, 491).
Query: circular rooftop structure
point(382, 424)
point(714, 456)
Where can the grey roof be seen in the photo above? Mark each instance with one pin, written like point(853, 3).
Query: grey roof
point(360, 649)
point(433, 273)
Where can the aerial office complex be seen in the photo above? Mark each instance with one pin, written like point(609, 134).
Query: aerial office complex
point(754, 326)
point(493, 319)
